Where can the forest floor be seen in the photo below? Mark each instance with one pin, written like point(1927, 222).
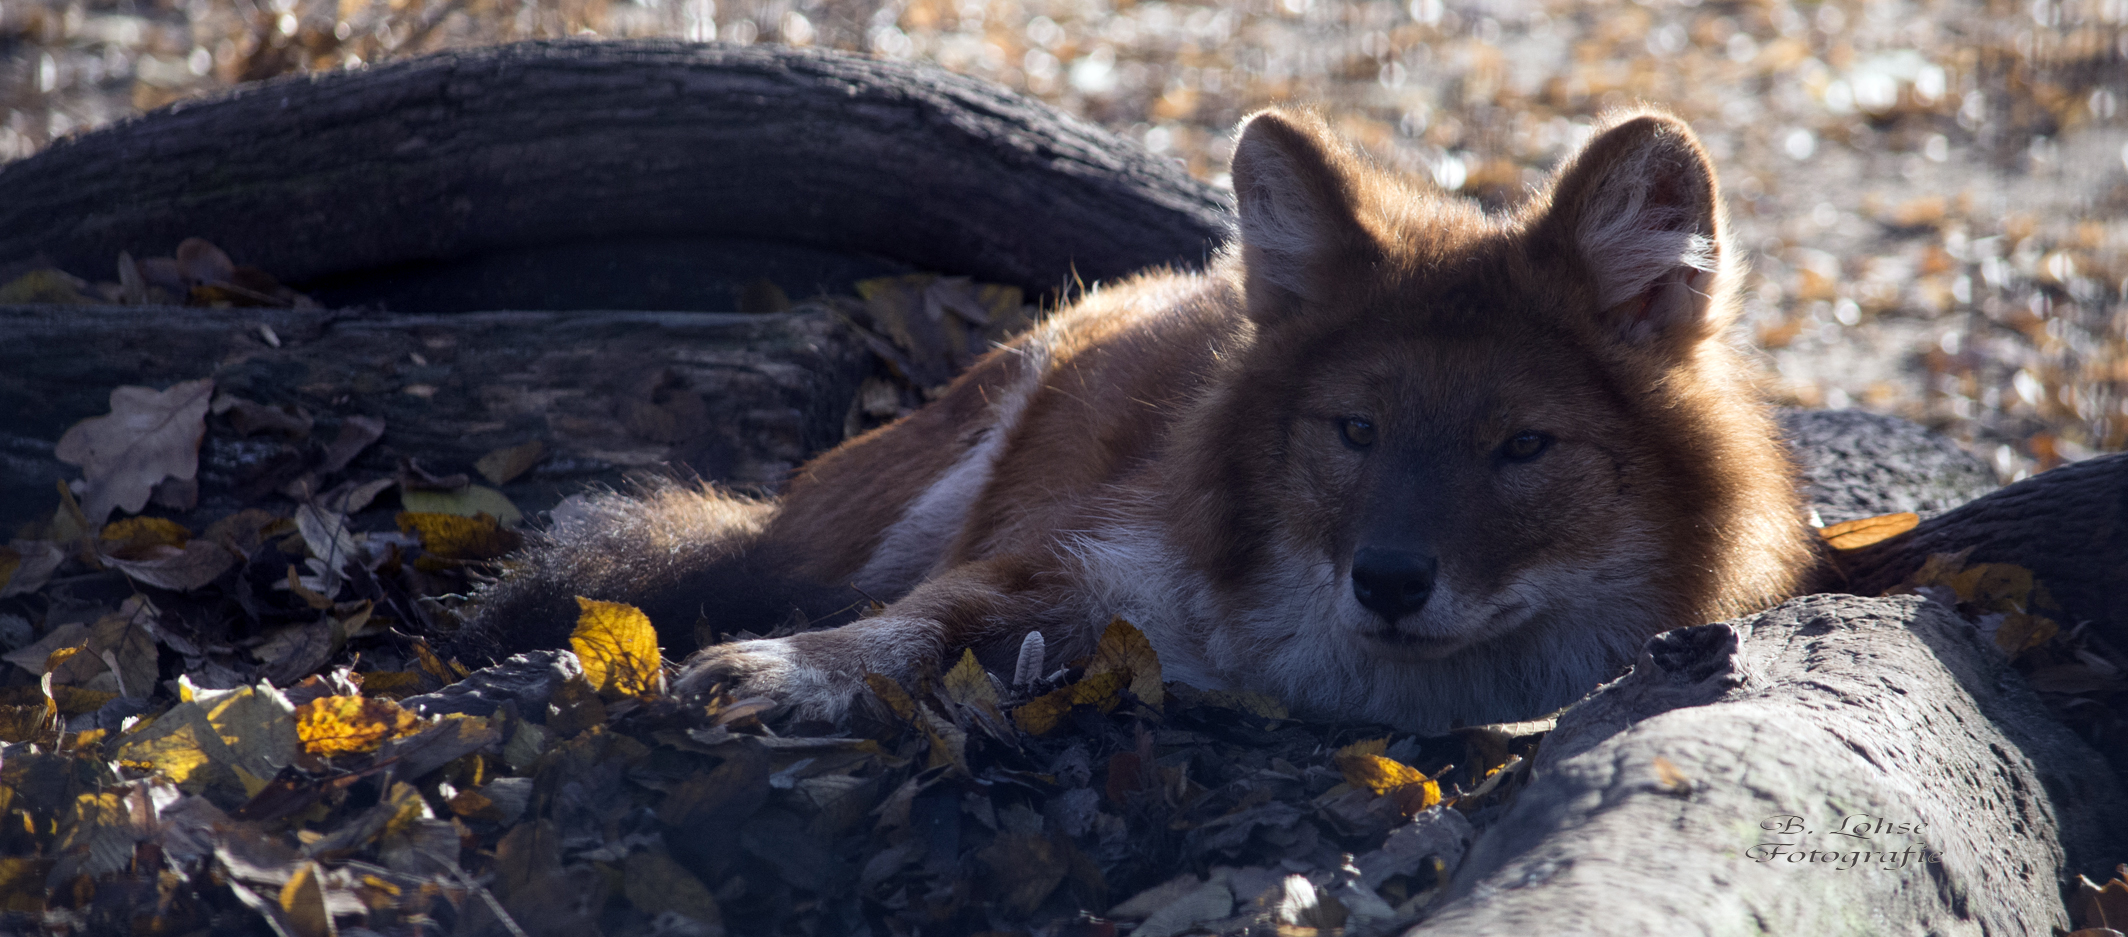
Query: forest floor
point(1933, 193)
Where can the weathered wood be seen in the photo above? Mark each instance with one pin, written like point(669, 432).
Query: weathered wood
point(1858, 464)
point(2069, 526)
point(740, 398)
point(1651, 802)
point(618, 164)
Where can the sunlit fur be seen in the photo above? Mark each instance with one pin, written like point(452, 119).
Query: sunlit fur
point(1168, 450)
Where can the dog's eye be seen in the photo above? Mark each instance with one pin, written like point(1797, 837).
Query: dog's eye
point(1525, 446)
point(1358, 433)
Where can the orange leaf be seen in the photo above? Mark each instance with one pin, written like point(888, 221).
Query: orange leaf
point(1856, 534)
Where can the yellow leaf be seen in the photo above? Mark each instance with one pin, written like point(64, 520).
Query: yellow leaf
point(968, 685)
point(2021, 632)
point(1124, 649)
point(1364, 766)
point(135, 532)
point(1378, 774)
point(1856, 534)
point(617, 647)
point(431, 664)
point(1039, 716)
point(891, 693)
point(452, 536)
point(338, 725)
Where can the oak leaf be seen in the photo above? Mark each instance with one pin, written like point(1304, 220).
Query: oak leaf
point(148, 436)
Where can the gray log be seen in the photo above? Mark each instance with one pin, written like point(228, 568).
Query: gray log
point(1858, 464)
point(441, 182)
point(1651, 798)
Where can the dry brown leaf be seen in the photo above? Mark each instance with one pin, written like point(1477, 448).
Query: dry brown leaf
point(249, 417)
point(891, 693)
point(618, 649)
point(968, 685)
point(502, 466)
point(338, 725)
point(356, 434)
point(1124, 649)
point(148, 436)
point(181, 569)
point(25, 565)
point(1856, 534)
point(303, 904)
point(1041, 715)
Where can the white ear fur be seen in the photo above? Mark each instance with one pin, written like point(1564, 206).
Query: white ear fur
point(1292, 217)
point(1280, 222)
point(1647, 231)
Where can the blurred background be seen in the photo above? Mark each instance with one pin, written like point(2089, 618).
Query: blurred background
point(1933, 193)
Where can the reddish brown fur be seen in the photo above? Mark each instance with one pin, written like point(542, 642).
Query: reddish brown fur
point(1174, 449)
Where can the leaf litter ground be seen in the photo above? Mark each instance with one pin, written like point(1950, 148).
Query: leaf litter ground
point(261, 728)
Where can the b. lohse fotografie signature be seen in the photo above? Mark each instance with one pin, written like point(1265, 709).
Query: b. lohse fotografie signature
point(1856, 847)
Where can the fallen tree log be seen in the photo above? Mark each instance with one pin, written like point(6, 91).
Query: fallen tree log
point(1835, 765)
point(738, 398)
point(600, 175)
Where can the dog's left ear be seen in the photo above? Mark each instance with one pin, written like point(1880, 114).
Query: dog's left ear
point(1638, 208)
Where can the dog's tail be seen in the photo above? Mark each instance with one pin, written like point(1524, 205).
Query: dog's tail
point(692, 556)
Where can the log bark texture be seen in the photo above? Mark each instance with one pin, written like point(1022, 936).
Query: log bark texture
point(738, 398)
point(1656, 803)
point(2068, 525)
point(654, 149)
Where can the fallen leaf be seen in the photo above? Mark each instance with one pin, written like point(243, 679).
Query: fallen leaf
point(618, 649)
point(25, 565)
point(249, 417)
point(139, 532)
point(1856, 534)
point(356, 434)
point(1042, 714)
point(181, 569)
point(968, 685)
point(502, 466)
point(339, 725)
point(44, 286)
point(655, 884)
point(467, 501)
point(1124, 649)
point(148, 436)
point(456, 537)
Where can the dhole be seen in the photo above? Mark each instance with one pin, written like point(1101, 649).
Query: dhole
point(1390, 458)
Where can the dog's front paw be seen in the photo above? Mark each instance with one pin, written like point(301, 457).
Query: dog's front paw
point(782, 669)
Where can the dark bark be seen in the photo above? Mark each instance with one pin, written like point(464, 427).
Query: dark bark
point(2069, 526)
point(433, 183)
point(733, 397)
point(1649, 797)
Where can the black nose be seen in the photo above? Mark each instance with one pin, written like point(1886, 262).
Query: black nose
point(1393, 583)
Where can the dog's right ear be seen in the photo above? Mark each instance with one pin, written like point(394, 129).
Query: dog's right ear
point(1298, 191)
